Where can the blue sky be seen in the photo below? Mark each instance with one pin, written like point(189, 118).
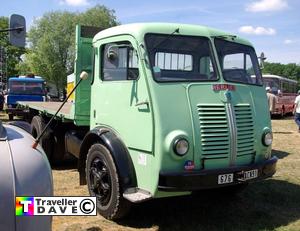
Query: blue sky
point(273, 26)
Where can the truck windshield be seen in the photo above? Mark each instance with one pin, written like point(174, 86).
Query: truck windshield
point(26, 88)
point(238, 62)
point(180, 58)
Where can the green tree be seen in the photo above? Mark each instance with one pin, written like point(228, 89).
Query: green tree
point(291, 70)
point(98, 16)
point(50, 47)
point(10, 53)
point(52, 41)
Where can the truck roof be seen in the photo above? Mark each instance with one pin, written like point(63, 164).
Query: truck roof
point(138, 30)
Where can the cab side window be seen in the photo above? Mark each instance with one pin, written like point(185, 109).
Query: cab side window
point(119, 62)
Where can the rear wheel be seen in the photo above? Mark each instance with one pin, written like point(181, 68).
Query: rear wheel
point(103, 182)
point(37, 126)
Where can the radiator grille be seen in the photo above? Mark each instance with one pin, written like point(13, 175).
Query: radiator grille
point(245, 129)
point(214, 133)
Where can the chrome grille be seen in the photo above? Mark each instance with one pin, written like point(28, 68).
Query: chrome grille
point(214, 133)
point(245, 129)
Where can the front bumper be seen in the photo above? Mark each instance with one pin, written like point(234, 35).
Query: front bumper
point(206, 179)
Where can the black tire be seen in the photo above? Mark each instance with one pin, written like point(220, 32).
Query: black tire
point(103, 182)
point(10, 116)
point(37, 126)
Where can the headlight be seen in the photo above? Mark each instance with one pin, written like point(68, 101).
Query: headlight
point(267, 138)
point(181, 146)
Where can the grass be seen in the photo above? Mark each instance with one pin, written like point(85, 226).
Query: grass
point(273, 204)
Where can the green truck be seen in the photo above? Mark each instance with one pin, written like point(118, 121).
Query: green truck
point(167, 110)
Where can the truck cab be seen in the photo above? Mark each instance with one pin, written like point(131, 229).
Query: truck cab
point(180, 103)
point(23, 88)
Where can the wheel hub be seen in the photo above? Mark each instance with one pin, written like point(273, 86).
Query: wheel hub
point(100, 181)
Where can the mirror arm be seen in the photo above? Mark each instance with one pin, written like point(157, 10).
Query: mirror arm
point(19, 29)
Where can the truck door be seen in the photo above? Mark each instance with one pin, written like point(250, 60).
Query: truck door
point(120, 97)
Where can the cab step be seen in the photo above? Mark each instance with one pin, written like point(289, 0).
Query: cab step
point(137, 195)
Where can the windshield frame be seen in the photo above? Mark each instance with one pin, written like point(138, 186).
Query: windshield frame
point(254, 61)
point(168, 36)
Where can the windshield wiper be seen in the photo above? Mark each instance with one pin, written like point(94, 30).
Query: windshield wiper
point(162, 41)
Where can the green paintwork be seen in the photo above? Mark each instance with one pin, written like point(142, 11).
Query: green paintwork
point(83, 62)
point(172, 110)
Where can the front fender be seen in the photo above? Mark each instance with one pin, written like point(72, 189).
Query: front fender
point(118, 151)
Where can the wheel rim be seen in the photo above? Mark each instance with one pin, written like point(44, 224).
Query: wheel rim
point(100, 181)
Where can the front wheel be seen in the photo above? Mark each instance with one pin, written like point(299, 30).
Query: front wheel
point(103, 183)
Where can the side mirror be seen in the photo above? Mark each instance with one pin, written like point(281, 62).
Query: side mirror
point(262, 59)
point(17, 32)
point(111, 54)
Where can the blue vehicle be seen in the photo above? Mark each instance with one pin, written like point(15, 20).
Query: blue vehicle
point(23, 89)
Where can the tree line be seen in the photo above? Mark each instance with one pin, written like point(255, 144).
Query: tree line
point(291, 70)
point(50, 48)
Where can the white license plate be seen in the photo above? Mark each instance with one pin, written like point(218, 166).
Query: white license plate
point(250, 174)
point(225, 178)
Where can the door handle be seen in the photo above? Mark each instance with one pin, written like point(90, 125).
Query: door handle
point(142, 103)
